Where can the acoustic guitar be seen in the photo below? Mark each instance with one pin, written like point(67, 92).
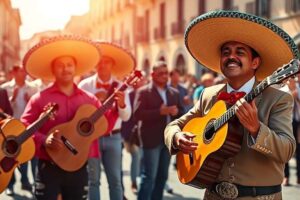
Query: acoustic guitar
point(219, 135)
point(88, 124)
point(17, 146)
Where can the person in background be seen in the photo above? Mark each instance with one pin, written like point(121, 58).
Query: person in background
point(183, 92)
point(294, 88)
point(206, 80)
point(130, 131)
point(19, 91)
point(155, 105)
point(5, 106)
point(115, 62)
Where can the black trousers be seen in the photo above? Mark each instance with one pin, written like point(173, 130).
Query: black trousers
point(51, 180)
point(296, 125)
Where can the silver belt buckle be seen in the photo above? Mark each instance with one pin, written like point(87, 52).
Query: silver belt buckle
point(227, 190)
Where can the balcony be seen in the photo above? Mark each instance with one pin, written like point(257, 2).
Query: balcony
point(160, 33)
point(177, 28)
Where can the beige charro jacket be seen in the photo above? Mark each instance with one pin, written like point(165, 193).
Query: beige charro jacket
point(260, 163)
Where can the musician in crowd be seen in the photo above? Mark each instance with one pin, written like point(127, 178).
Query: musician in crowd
point(294, 87)
point(130, 131)
point(59, 59)
point(19, 91)
point(246, 49)
point(5, 107)
point(155, 105)
point(115, 63)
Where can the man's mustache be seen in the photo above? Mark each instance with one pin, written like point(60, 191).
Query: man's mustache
point(232, 60)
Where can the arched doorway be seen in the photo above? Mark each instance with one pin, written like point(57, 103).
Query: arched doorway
point(180, 64)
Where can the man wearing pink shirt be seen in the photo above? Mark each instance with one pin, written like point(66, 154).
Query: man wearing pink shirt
point(63, 58)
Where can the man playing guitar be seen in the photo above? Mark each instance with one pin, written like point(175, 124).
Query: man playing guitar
point(59, 59)
point(245, 48)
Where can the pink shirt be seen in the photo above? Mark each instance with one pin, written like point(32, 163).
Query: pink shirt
point(68, 106)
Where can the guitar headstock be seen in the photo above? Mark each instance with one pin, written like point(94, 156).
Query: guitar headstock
point(134, 77)
point(284, 72)
point(50, 110)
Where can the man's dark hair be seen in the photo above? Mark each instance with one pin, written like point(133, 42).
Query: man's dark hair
point(254, 53)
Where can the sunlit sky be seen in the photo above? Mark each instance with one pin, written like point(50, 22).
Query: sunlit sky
point(43, 15)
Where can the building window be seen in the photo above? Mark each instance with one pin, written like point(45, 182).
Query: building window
point(147, 17)
point(292, 6)
point(227, 4)
point(180, 10)
point(263, 8)
point(250, 8)
point(180, 64)
point(112, 34)
point(161, 58)
point(162, 15)
point(201, 7)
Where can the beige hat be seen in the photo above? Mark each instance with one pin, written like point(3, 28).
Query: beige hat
point(207, 33)
point(38, 59)
point(124, 60)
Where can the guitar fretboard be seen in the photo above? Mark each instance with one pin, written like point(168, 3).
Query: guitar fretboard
point(218, 123)
point(35, 126)
point(106, 105)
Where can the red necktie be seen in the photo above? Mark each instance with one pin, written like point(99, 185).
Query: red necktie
point(105, 86)
point(230, 98)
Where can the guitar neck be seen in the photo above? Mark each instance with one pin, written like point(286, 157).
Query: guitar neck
point(218, 123)
point(31, 129)
point(107, 104)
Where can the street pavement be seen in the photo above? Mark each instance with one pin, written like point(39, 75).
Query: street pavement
point(180, 191)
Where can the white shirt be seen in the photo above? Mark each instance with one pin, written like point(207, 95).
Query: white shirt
point(89, 84)
point(18, 105)
point(247, 87)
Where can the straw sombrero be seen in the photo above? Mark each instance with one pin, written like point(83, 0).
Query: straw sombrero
point(207, 33)
point(38, 59)
point(124, 60)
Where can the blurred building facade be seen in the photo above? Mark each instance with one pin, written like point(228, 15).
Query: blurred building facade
point(154, 29)
point(10, 23)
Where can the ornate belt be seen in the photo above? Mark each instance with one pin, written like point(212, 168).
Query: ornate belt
point(228, 190)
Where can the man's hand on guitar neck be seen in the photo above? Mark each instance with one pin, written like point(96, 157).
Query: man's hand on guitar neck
point(247, 114)
point(120, 98)
point(53, 141)
point(183, 141)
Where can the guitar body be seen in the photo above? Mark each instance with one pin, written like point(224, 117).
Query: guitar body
point(11, 154)
point(77, 134)
point(201, 168)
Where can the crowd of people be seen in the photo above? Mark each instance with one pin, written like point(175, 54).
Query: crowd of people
point(147, 118)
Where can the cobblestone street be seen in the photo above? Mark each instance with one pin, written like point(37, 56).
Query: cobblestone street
point(180, 191)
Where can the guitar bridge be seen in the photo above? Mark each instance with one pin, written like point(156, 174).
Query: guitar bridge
point(69, 145)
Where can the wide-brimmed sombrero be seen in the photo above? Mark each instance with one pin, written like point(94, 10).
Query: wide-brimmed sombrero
point(207, 33)
point(38, 59)
point(124, 60)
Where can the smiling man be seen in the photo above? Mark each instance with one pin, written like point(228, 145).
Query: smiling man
point(245, 52)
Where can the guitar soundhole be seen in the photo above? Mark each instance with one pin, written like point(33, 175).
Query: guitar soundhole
point(85, 127)
point(209, 132)
point(11, 147)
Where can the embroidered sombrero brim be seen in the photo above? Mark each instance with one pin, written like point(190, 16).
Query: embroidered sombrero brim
point(39, 58)
point(207, 33)
point(124, 60)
